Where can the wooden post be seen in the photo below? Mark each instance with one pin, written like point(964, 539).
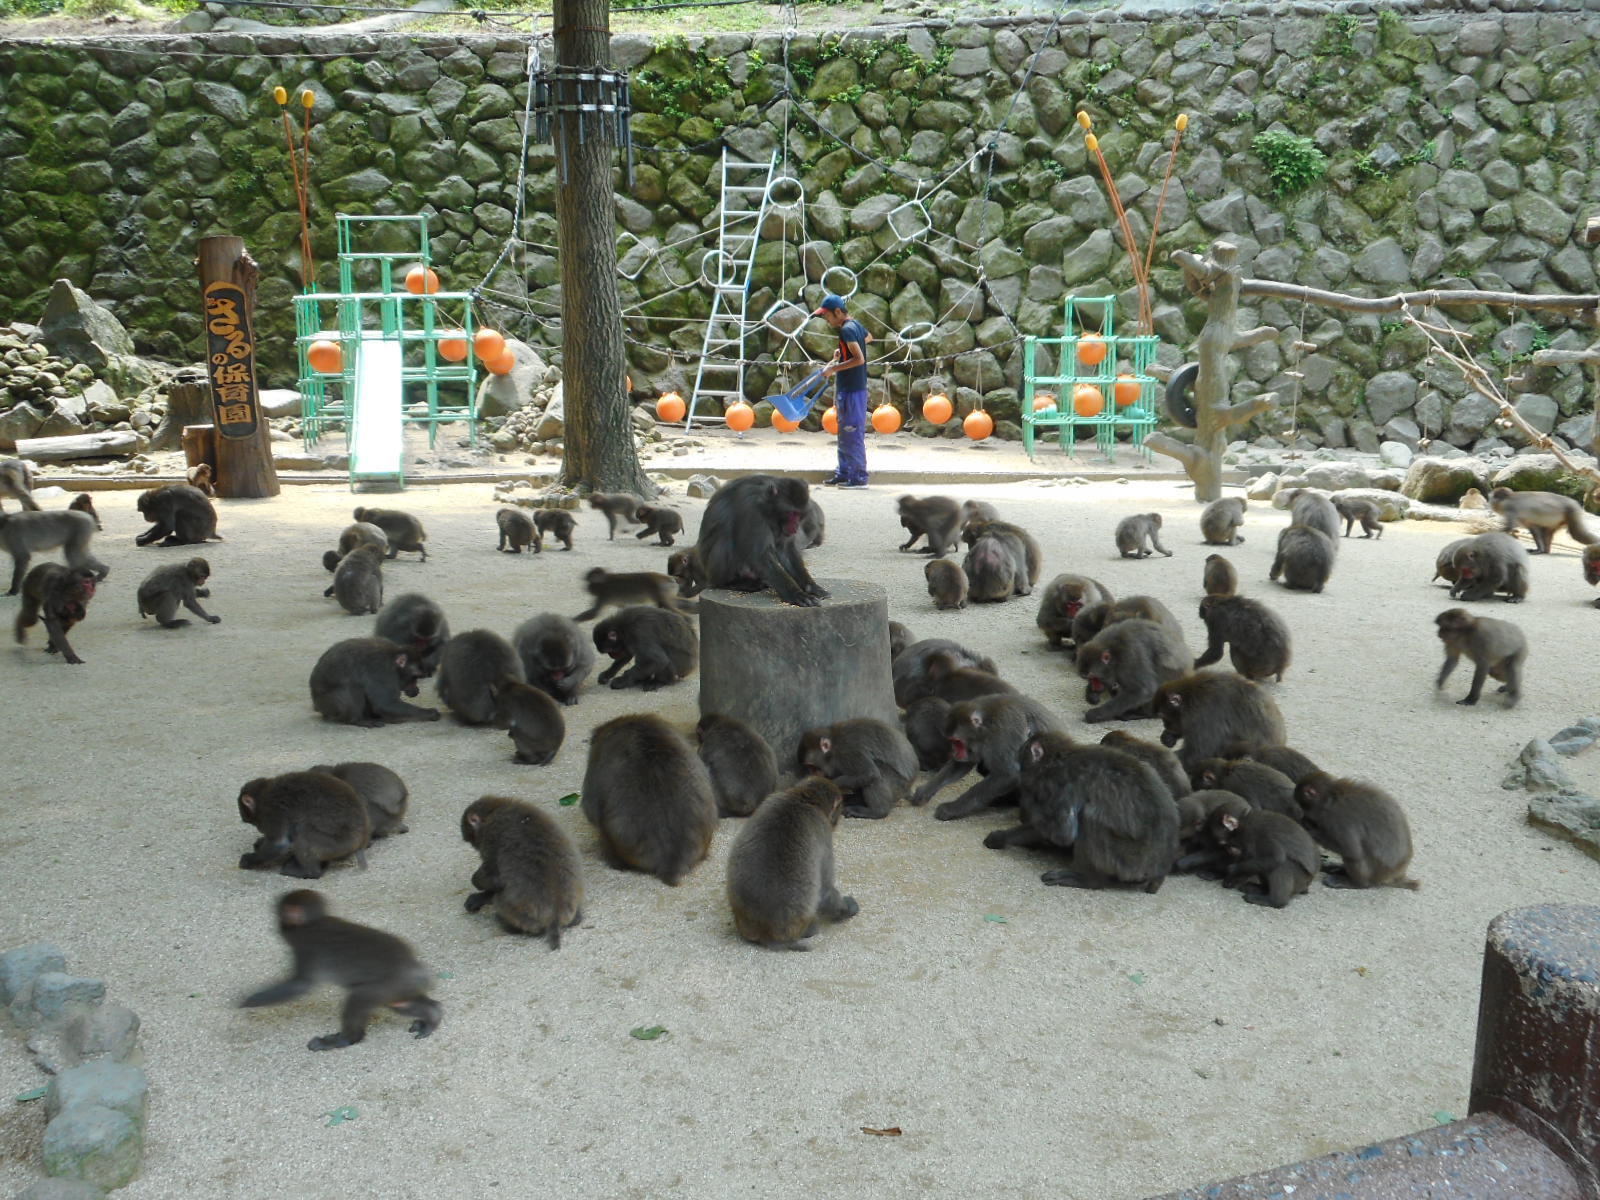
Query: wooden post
point(228, 297)
point(598, 441)
point(188, 403)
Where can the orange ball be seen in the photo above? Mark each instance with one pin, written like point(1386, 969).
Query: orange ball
point(886, 418)
point(421, 281)
point(1091, 349)
point(1128, 390)
point(830, 420)
point(739, 416)
point(978, 425)
point(1043, 401)
point(326, 357)
point(488, 343)
point(453, 349)
point(1088, 400)
point(782, 423)
point(670, 407)
point(501, 363)
point(937, 408)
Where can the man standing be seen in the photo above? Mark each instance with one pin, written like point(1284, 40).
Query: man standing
point(848, 370)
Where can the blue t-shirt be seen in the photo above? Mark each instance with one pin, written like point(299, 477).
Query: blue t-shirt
point(852, 379)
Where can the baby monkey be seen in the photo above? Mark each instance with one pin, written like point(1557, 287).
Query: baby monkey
point(1496, 649)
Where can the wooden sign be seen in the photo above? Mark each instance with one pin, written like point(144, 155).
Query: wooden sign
point(230, 360)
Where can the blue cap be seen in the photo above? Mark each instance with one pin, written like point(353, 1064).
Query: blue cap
point(830, 304)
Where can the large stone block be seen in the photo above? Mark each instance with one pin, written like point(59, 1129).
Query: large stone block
point(79, 330)
point(95, 1144)
point(111, 1085)
point(786, 669)
point(1443, 481)
point(20, 967)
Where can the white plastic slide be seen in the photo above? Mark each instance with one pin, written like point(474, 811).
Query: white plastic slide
point(377, 445)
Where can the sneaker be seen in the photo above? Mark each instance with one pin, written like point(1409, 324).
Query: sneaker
point(853, 483)
point(832, 481)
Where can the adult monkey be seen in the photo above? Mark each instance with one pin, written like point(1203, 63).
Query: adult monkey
point(849, 370)
point(747, 538)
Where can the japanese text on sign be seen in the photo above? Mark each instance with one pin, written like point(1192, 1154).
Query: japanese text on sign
point(230, 361)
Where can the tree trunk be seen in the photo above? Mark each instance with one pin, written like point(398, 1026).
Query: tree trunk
point(228, 298)
point(110, 443)
point(599, 432)
point(188, 403)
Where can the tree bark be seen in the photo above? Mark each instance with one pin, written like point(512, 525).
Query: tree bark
point(228, 299)
point(188, 403)
point(111, 443)
point(1383, 304)
point(598, 438)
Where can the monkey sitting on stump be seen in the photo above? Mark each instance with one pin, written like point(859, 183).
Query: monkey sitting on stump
point(169, 586)
point(376, 969)
point(530, 870)
point(781, 869)
point(1497, 650)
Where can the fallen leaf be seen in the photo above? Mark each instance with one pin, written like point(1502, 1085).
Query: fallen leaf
point(892, 1131)
point(648, 1033)
point(1361, 971)
point(340, 1115)
point(1444, 1118)
point(1137, 979)
point(31, 1094)
point(447, 974)
point(568, 800)
point(994, 918)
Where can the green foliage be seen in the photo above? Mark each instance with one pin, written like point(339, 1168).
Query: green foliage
point(1294, 163)
point(28, 8)
point(1338, 35)
point(682, 96)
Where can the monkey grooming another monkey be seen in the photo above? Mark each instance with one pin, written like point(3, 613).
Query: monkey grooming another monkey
point(743, 767)
point(923, 722)
point(1304, 558)
point(1221, 519)
point(1353, 509)
point(24, 533)
point(994, 570)
point(199, 477)
point(747, 539)
point(622, 588)
point(359, 681)
point(472, 665)
point(659, 521)
point(1219, 578)
point(376, 969)
point(1268, 847)
point(649, 796)
point(361, 533)
point(416, 623)
point(82, 503)
point(1497, 650)
point(1315, 510)
point(556, 523)
point(179, 515)
point(617, 506)
point(402, 529)
point(937, 518)
point(16, 483)
point(1064, 598)
point(381, 790)
point(1256, 783)
point(1256, 637)
point(178, 583)
point(1212, 710)
point(953, 683)
point(533, 721)
point(1444, 567)
point(870, 762)
point(781, 869)
point(358, 581)
point(662, 646)
point(1107, 807)
point(59, 596)
point(517, 531)
point(1363, 825)
point(530, 869)
point(1022, 543)
point(307, 820)
point(1488, 565)
point(947, 584)
point(556, 656)
point(1137, 534)
point(987, 733)
point(1542, 514)
point(1154, 755)
point(1125, 664)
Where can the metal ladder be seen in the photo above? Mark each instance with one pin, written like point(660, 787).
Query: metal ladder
point(746, 194)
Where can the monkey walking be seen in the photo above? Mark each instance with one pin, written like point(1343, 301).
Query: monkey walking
point(937, 518)
point(1542, 513)
point(402, 529)
point(660, 522)
point(1591, 567)
point(172, 585)
point(1136, 535)
point(617, 506)
point(376, 969)
point(1355, 510)
point(25, 533)
point(1497, 650)
point(517, 531)
point(59, 596)
point(16, 483)
point(624, 588)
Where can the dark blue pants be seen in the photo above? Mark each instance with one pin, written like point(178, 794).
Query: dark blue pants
point(851, 409)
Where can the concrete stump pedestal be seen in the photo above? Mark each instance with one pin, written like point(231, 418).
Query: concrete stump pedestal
point(785, 669)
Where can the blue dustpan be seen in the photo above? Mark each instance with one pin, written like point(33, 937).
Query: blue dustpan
point(796, 403)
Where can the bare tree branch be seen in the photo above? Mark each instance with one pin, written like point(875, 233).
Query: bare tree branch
point(1163, 443)
point(1254, 337)
point(1383, 304)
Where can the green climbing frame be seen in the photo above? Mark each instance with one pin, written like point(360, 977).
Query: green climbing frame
point(1124, 355)
point(372, 305)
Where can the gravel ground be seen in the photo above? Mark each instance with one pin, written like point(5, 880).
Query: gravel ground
point(1026, 1040)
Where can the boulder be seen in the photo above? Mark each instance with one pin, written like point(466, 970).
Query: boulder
point(279, 402)
point(1395, 454)
point(1334, 476)
point(79, 330)
point(1263, 487)
point(553, 423)
point(21, 966)
point(1541, 473)
point(95, 1144)
point(1443, 481)
point(1392, 506)
point(501, 395)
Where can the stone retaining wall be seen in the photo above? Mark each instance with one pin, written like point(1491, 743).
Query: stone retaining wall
point(1459, 147)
